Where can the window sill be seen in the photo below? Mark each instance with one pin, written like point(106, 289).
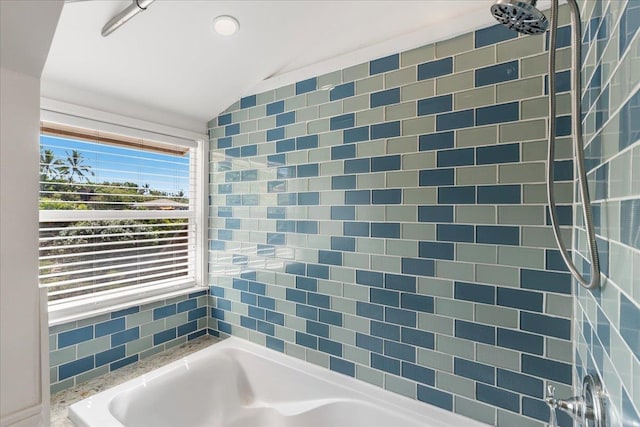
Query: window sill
point(60, 313)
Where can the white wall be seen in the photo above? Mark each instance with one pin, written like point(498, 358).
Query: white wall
point(26, 31)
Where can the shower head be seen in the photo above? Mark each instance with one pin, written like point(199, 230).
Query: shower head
point(520, 15)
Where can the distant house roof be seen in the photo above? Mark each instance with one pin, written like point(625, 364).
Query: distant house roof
point(164, 204)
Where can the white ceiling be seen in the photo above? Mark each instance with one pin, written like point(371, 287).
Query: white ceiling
point(167, 66)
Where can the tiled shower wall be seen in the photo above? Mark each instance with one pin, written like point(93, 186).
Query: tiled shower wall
point(607, 326)
point(387, 221)
point(85, 349)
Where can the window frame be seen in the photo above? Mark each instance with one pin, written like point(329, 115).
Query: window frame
point(76, 308)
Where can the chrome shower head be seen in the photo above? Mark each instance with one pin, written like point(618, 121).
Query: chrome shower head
point(520, 15)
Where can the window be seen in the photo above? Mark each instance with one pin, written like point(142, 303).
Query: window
point(118, 215)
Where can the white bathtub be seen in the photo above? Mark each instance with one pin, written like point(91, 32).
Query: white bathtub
point(235, 383)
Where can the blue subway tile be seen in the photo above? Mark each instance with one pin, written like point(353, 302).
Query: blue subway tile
point(456, 157)
point(343, 152)
point(318, 271)
point(187, 328)
point(342, 122)
point(501, 113)
point(455, 120)
point(385, 163)
point(356, 229)
point(286, 172)
point(225, 212)
point(498, 235)
point(385, 364)
point(629, 413)
point(385, 97)
point(231, 130)
point(371, 311)
point(330, 347)
point(369, 343)
point(400, 351)
point(307, 171)
point(436, 177)
point(276, 187)
point(385, 130)
point(232, 176)
point(125, 312)
point(455, 233)
point(545, 325)
point(435, 213)
point(564, 215)
point(343, 243)
point(357, 197)
point(257, 288)
point(437, 68)
point(474, 292)
point(164, 336)
point(197, 334)
point(233, 152)
point(249, 150)
point(563, 171)
point(248, 101)
point(76, 367)
point(386, 197)
point(563, 82)
point(296, 295)
point(498, 397)
point(400, 316)
point(309, 198)
point(285, 118)
point(384, 330)
point(274, 134)
point(418, 373)
point(263, 327)
point(224, 119)
point(473, 370)
point(493, 34)
point(418, 337)
point(629, 125)
point(548, 281)
point(630, 222)
point(436, 250)
point(415, 302)
point(307, 284)
point(400, 282)
point(276, 239)
point(520, 341)
point(224, 189)
point(318, 329)
point(307, 312)
point(75, 336)
point(499, 194)
point(370, 278)
point(305, 86)
point(287, 199)
point(544, 368)
point(517, 298)
point(225, 142)
point(285, 145)
point(232, 223)
point(123, 362)
point(275, 108)
point(330, 317)
point(344, 182)
point(382, 65)
point(418, 267)
point(517, 382)
point(274, 317)
point(389, 230)
point(355, 135)
point(563, 126)
point(357, 166)
point(435, 397)
point(436, 141)
point(342, 366)
point(343, 212)
point(109, 327)
point(475, 332)
point(125, 336)
point(240, 284)
point(110, 355)
point(629, 23)
point(384, 297)
point(197, 313)
point(307, 340)
point(497, 73)
point(435, 105)
point(297, 268)
point(306, 142)
point(342, 91)
point(330, 257)
point(629, 321)
point(504, 153)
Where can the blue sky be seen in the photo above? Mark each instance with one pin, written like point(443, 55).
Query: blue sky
point(111, 163)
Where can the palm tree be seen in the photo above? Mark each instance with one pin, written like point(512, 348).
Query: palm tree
point(50, 167)
point(74, 167)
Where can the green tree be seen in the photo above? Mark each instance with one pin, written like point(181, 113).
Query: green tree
point(75, 169)
point(50, 167)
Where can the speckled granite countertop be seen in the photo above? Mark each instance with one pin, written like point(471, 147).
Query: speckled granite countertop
point(61, 401)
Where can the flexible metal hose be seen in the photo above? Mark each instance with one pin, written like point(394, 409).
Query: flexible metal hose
point(578, 144)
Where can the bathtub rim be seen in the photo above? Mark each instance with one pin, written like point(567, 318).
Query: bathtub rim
point(95, 408)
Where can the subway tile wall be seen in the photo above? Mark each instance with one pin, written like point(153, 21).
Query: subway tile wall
point(393, 226)
point(84, 349)
point(607, 321)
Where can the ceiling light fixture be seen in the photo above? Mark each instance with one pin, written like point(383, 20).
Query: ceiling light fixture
point(226, 25)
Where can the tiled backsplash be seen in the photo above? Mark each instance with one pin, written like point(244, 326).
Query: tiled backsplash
point(91, 347)
point(608, 321)
point(393, 227)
